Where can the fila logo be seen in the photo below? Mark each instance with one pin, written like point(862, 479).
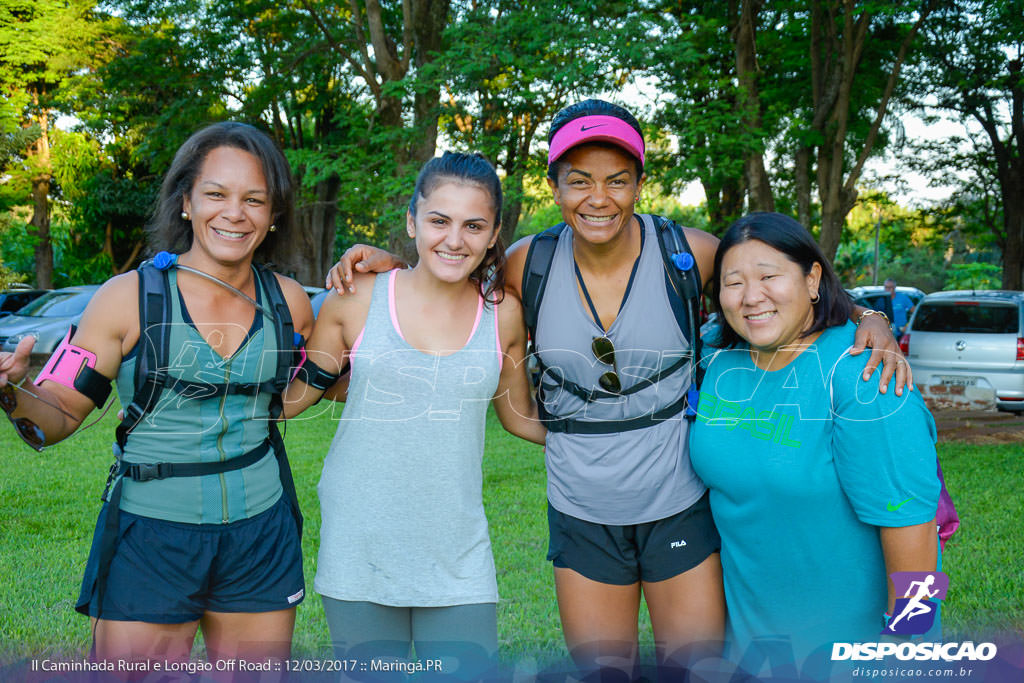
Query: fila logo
point(677, 544)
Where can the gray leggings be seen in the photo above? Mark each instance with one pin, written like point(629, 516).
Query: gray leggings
point(458, 642)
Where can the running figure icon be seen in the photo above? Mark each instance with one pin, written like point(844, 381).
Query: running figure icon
point(915, 606)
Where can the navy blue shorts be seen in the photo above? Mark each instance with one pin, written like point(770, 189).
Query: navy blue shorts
point(172, 572)
point(628, 553)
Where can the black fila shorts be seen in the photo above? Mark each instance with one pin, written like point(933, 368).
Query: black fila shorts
point(625, 554)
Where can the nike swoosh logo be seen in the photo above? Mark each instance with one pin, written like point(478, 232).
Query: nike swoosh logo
point(893, 508)
point(584, 129)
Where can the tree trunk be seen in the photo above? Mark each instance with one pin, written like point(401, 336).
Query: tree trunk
point(835, 60)
point(311, 250)
point(1009, 158)
point(1013, 220)
point(1013, 184)
point(749, 104)
point(802, 171)
point(724, 203)
point(429, 19)
point(40, 155)
point(512, 206)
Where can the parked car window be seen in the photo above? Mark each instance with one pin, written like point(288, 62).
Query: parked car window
point(58, 304)
point(981, 318)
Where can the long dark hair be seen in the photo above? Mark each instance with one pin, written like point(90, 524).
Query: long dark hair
point(786, 235)
point(168, 231)
point(470, 169)
point(592, 107)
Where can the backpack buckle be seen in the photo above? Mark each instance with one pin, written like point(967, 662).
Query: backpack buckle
point(145, 471)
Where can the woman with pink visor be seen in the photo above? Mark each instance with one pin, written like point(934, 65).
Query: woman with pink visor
point(628, 517)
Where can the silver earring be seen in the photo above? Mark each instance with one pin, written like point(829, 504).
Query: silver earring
point(273, 228)
point(184, 215)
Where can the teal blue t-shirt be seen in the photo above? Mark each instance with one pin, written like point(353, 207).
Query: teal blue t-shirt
point(803, 464)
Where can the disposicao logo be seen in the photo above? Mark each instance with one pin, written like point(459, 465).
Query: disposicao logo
point(914, 615)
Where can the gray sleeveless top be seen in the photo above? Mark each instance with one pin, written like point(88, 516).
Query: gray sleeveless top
point(401, 491)
point(628, 477)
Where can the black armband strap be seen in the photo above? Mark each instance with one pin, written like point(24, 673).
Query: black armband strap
point(315, 376)
point(93, 385)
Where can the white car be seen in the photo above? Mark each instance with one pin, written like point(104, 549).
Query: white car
point(970, 339)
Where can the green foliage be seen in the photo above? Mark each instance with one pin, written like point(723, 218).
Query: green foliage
point(974, 276)
point(140, 76)
point(8, 277)
point(974, 73)
point(511, 65)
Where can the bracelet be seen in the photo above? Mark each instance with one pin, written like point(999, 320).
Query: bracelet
point(860, 318)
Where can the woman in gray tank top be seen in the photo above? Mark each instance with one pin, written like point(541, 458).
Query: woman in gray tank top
point(405, 556)
point(627, 516)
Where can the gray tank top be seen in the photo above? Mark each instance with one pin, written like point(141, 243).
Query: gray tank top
point(628, 477)
point(401, 491)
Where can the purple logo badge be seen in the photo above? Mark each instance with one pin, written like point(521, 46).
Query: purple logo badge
point(914, 613)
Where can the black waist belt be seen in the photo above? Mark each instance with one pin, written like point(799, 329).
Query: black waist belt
point(140, 471)
point(146, 471)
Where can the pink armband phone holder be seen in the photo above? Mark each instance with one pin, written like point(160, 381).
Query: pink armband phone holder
point(66, 362)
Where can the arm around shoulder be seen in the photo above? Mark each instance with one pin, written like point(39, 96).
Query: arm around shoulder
point(703, 245)
point(513, 401)
point(337, 326)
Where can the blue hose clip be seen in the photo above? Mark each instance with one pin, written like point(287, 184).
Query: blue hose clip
point(164, 260)
point(683, 261)
point(692, 397)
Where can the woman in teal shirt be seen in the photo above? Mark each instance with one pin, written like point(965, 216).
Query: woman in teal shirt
point(820, 485)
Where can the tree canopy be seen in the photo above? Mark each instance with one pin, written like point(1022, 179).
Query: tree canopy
point(767, 104)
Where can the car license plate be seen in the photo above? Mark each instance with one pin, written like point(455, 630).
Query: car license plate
point(957, 381)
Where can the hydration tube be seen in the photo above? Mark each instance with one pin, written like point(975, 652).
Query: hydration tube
point(165, 260)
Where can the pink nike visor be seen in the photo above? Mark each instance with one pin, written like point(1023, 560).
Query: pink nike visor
point(596, 129)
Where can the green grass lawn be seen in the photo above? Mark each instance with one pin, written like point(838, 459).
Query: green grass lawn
point(50, 502)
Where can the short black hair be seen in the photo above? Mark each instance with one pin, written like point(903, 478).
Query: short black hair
point(168, 231)
point(786, 235)
point(591, 107)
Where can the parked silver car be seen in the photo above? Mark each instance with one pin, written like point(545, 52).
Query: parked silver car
point(970, 339)
point(47, 319)
point(17, 296)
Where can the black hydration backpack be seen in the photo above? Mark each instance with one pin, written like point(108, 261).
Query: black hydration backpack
point(152, 379)
point(683, 283)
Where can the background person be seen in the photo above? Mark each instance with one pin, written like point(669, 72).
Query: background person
point(820, 485)
point(618, 500)
point(900, 307)
point(218, 551)
point(405, 557)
